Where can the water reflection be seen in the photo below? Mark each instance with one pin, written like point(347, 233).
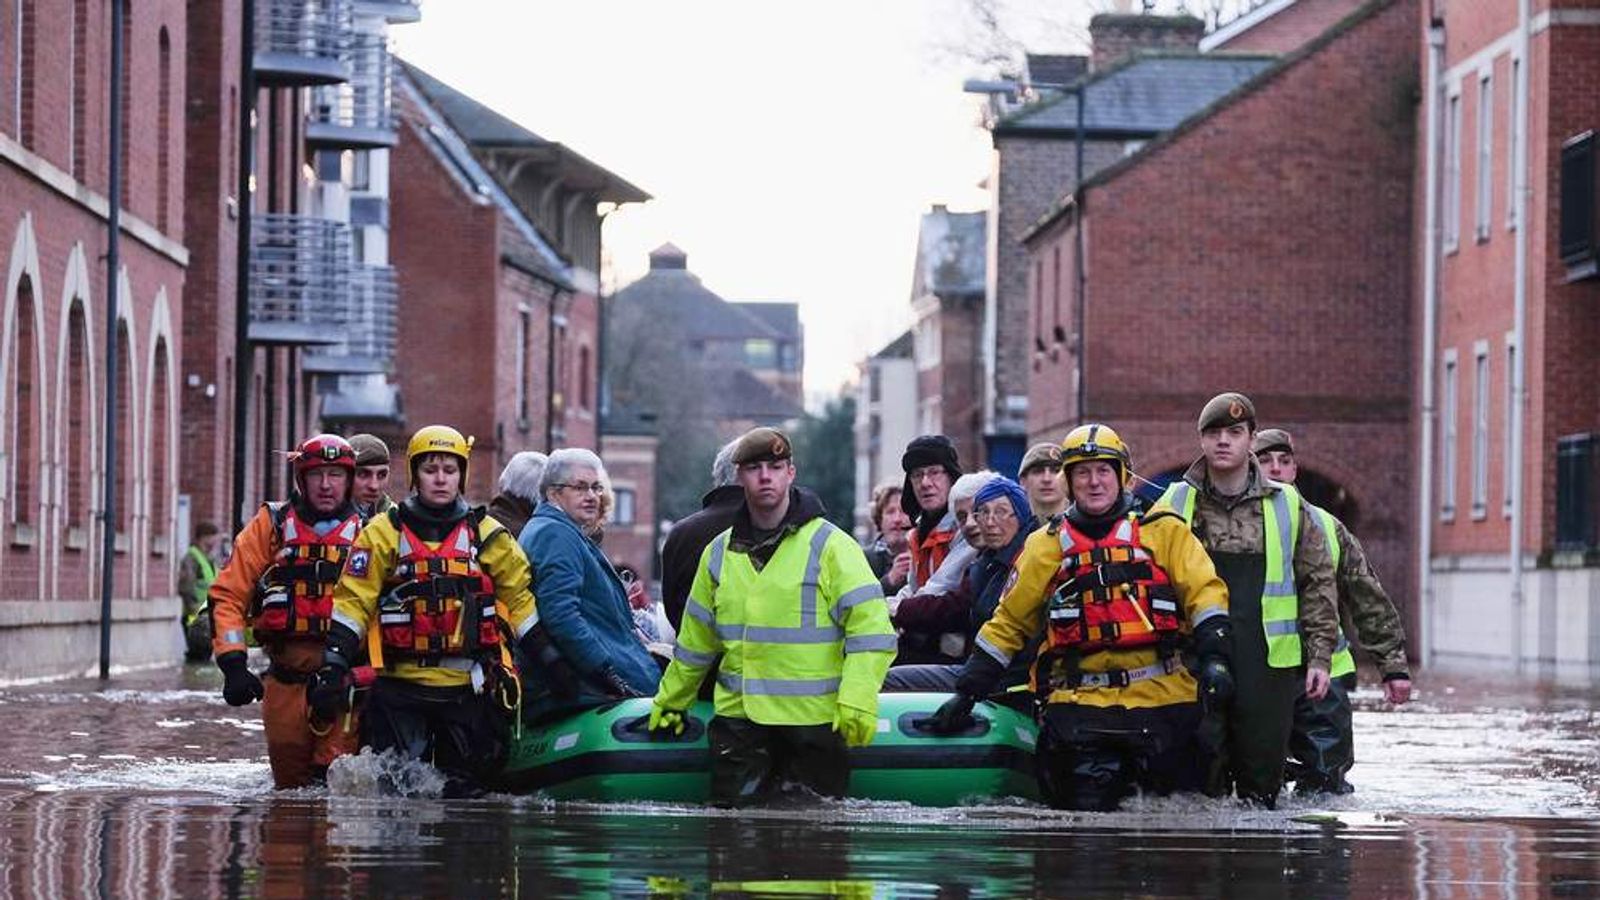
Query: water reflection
point(139, 845)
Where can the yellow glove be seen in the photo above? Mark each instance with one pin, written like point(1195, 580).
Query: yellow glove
point(857, 726)
point(666, 720)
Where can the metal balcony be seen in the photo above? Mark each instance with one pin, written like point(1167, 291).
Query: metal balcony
point(369, 327)
point(299, 280)
point(301, 42)
point(397, 12)
point(358, 114)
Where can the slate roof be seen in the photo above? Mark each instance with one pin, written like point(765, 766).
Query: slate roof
point(486, 129)
point(951, 254)
point(899, 348)
point(781, 317)
point(526, 246)
point(735, 393)
point(676, 295)
point(1146, 95)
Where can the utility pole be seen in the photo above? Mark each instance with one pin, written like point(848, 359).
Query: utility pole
point(108, 524)
point(243, 353)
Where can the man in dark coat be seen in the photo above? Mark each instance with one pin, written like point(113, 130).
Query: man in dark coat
point(680, 555)
point(519, 490)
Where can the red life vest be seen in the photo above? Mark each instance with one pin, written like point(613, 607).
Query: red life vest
point(1108, 594)
point(295, 596)
point(438, 602)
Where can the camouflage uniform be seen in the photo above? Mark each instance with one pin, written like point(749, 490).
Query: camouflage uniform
point(1232, 528)
point(1366, 604)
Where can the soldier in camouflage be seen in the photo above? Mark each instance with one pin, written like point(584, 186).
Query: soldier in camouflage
point(1321, 744)
point(1281, 594)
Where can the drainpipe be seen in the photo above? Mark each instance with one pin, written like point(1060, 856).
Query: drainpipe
point(1082, 279)
point(1519, 393)
point(108, 525)
point(1430, 337)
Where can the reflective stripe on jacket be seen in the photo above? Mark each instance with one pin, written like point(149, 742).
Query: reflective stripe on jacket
point(1280, 604)
point(1343, 662)
point(808, 631)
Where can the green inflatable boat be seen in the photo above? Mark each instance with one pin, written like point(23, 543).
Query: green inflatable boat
point(607, 754)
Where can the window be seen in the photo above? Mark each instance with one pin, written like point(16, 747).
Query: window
point(1480, 429)
point(160, 527)
point(1508, 476)
point(25, 428)
point(584, 401)
point(27, 70)
point(524, 365)
point(361, 171)
point(80, 460)
point(787, 360)
point(623, 514)
point(1447, 440)
point(1513, 136)
point(761, 353)
point(1038, 305)
point(1485, 164)
point(127, 103)
point(1056, 333)
point(1452, 174)
point(124, 439)
point(164, 132)
point(80, 88)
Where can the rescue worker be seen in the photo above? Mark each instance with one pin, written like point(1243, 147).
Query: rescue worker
point(789, 604)
point(1322, 744)
point(1265, 543)
point(196, 571)
point(372, 475)
point(280, 583)
point(1041, 476)
point(434, 590)
point(1118, 596)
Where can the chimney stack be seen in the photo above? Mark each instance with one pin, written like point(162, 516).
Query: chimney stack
point(1115, 36)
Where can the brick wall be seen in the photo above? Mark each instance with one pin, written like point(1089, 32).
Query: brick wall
point(1265, 249)
point(1034, 173)
point(961, 369)
point(1114, 36)
point(1291, 28)
point(631, 462)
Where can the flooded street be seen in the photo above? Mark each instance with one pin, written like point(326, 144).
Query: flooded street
point(152, 788)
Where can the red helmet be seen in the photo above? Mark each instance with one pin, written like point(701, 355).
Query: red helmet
point(323, 450)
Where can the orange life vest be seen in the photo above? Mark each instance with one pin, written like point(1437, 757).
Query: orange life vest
point(438, 602)
point(295, 596)
point(928, 553)
point(1109, 594)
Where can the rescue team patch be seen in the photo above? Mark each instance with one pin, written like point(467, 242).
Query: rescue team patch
point(1011, 581)
point(358, 562)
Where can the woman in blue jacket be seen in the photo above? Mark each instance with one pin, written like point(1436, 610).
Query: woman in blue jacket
point(582, 603)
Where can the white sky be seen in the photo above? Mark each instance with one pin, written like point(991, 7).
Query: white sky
point(790, 148)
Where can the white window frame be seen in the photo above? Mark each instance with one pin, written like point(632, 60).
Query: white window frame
point(1507, 475)
point(524, 336)
point(1513, 131)
point(1484, 176)
point(625, 513)
point(1448, 408)
point(1480, 429)
point(1452, 171)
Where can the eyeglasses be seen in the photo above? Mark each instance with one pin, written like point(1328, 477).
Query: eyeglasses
point(994, 514)
point(583, 487)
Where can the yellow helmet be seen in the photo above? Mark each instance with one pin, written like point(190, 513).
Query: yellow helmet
point(439, 439)
point(1096, 441)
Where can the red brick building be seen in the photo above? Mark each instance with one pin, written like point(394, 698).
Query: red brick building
point(947, 290)
point(1495, 237)
point(54, 180)
point(496, 238)
point(1263, 245)
point(1144, 78)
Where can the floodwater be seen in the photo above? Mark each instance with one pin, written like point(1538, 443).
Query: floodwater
point(151, 787)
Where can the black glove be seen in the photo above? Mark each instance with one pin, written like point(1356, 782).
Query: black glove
point(980, 675)
point(538, 648)
point(955, 715)
point(1216, 684)
point(614, 684)
point(1213, 645)
point(240, 686)
point(328, 690)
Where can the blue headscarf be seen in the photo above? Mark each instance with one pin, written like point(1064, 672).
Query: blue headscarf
point(1002, 486)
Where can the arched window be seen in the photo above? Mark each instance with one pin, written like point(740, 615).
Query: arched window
point(164, 132)
point(77, 480)
point(159, 459)
point(25, 428)
point(124, 438)
point(584, 400)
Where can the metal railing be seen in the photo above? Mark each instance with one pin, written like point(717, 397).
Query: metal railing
point(369, 326)
point(299, 279)
point(359, 112)
point(299, 42)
